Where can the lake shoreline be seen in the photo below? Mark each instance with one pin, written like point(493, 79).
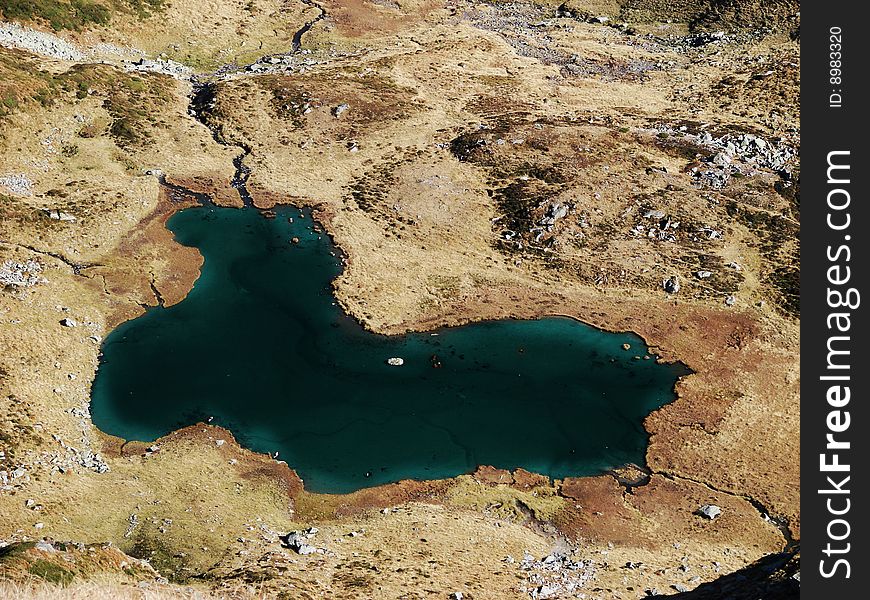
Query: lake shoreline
point(446, 331)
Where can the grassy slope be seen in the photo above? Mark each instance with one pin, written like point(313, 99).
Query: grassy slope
point(73, 14)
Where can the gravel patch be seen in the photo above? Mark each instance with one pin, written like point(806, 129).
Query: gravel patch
point(18, 184)
point(13, 35)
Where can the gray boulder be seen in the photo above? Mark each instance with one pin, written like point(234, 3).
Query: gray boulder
point(711, 511)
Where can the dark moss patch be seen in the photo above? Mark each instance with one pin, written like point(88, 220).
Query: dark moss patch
point(51, 572)
point(164, 559)
point(15, 550)
point(528, 165)
point(724, 280)
point(135, 103)
point(778, 240)
point(373, 98)
point(789, 187)
point(370, 190)
point(59, 14)
point(786, 283)
point(74, 14)
point(519, 198)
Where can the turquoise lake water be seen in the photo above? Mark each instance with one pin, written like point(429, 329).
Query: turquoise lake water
point(260, 346)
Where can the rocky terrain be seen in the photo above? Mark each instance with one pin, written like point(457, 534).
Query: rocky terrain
point(629, 163)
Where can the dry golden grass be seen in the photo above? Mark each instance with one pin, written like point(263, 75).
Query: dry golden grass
point(93, 590)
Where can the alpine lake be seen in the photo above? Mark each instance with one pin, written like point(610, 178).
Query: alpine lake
point(261, 347)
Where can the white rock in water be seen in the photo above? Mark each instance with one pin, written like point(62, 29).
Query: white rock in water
point(395, 361)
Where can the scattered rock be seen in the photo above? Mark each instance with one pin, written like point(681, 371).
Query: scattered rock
point(45, 546)
point(20, 275)
point(680, 587)
point(730, 300)
point(163, 66)
point(703, 274)
point(341, 108)
point(553, 213)
point(672, 284)
point(697, 40)
point(298, 542)
point(67, 322)
point(555, 575)
point(18, 184)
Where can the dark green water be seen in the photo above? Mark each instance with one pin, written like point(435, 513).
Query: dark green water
point(260, 345)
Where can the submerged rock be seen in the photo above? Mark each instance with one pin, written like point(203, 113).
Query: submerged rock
point(395, 361)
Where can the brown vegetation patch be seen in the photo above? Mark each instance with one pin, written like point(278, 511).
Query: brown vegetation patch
point(360, 18)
